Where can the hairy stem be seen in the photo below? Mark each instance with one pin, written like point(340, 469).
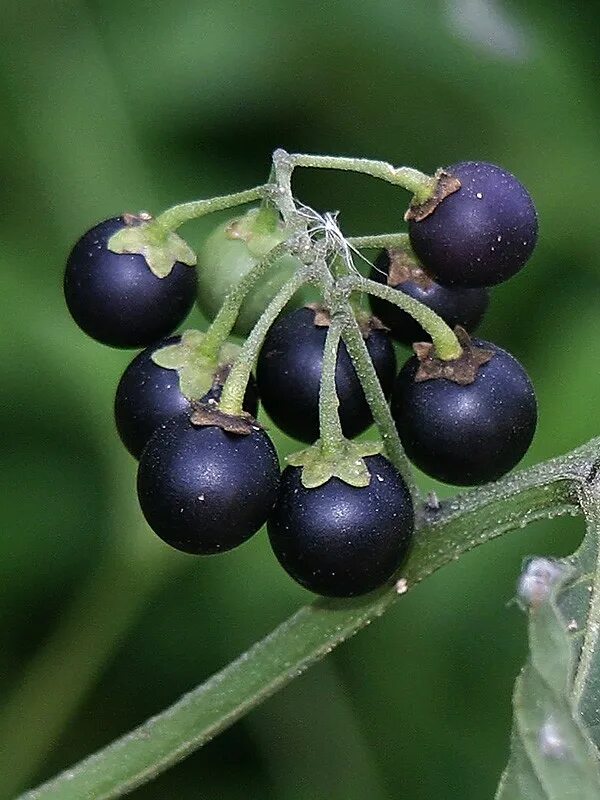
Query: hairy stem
point(400, 241)
point(235, 386)
point(223, 323)
point(446, 344)
point(376, 399)
point(421, 185)
point(309, 635)
point(331, 434)
point(173, 217)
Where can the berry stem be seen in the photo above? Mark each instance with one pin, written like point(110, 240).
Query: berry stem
point(357, 349)
point(443, 337)
point(282, 171)
point(421, 185)
point(173, 217)
point(223, 323)
point(330, 428)
point(234, 388)
point(400, 241)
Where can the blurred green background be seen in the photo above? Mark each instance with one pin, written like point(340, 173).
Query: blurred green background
point(109, 106)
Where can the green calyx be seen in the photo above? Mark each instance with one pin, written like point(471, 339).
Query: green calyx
point(195, 368)
point(145, 236)
point(346, 461)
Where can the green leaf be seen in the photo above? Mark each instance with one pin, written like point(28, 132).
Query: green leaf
point(580, 604)
point(443, 534)
point(555, 734)
point(161, 248)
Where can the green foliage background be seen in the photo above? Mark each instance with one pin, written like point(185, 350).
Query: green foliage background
point(107, 107)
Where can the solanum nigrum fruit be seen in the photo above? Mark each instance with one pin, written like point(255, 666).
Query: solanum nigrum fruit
point(148, 395)
point(340, 540)
point(115, 297)
point(229, 253)
point(481, 234)
point(456, 306)
point(288, 375)
point(203, 490)
point(466, 434)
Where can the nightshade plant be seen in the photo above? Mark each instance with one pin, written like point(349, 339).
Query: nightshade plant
point(345, 518)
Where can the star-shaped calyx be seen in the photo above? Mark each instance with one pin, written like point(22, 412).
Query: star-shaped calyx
point(143, 235)
point(345, 462)
point(446, 184)
point(462, 370)
point(197, 372)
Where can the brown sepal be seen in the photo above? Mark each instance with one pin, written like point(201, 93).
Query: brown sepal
point(322, 316)
point(403, 268)
point(209, 414)
point(446, 184)
point(371, 324)
point(462, 370)
point(366, 323)
point(135, 219)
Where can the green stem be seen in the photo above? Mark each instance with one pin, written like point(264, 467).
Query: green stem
point(421, 185)
point(235, 385)
point(223, 323)
point(399, 241)
point(376, 399)
point(173, 217)
point(282, 170)
point(460, 525)
point(446, 344)
point(330, 428)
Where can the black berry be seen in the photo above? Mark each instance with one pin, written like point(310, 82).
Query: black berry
point(116, 298)
point(466, 434)
point(203, 490)
point(340, 540)
point(288, 375)
point(149, 395)
point(464, 307)
point(481, 234)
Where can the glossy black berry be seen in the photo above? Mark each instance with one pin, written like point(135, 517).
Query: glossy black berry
point(203, 490)
point(464, 307)
point(288, 375)
point(149, 395)
point(340, 540)
point(116, 298)
point(481, 234)
point(469, 434)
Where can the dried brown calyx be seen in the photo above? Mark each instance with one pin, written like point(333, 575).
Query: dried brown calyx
point(209, 414)
point(366, 322)
point(403, 268)
point(446, 185)
point(136, 219)
point(462, 370)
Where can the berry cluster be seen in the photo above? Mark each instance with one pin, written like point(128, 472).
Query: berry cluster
point(340, 517)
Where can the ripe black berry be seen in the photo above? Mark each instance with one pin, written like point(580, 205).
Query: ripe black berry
point(481, 234)
point(340, 540)
point(466, 434)
point(464, 307)
point(149, 395)
point(116, 298)
point(203, 490)
point(288, 375)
